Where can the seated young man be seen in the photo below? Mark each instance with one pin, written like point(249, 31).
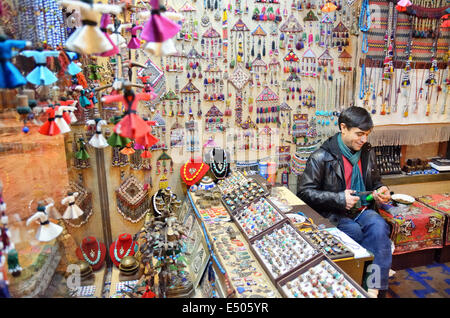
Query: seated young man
point(343, 167)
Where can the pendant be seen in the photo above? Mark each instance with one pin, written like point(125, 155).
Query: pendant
point(92, 253)
point(192, 171)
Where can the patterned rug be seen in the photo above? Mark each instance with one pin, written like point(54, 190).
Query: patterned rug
point(430, 281)
point(439, 202)
point(416, 228)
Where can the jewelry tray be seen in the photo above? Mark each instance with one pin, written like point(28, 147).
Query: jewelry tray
point(282, 282)
point(347, 253)
point(263, 263)
point(250, 239)
point(263, 195)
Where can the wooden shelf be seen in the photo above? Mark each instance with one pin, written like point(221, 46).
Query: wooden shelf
point(400, 179)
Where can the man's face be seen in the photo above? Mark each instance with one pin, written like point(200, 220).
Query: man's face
point(354, 138)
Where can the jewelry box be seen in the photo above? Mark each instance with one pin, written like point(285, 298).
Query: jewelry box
point(320, 278)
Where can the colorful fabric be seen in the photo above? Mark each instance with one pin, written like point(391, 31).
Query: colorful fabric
point(439, 202)
point(417, 228)
point(10, 76)
point(357, 179)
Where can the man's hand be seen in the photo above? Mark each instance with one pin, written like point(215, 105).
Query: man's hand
point(382, 195)
point(350, 200)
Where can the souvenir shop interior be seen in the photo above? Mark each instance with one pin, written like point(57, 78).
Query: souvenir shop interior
point(153, 148)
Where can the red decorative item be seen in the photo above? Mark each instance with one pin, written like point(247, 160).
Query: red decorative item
point(131, 125)
point(50, 128)
point(148, 139)
point(148, 293)
point(193, 171)
point(94, 252)
point(123, 246)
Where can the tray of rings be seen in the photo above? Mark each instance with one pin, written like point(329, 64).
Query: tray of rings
point(257, 217)
point(320, 278)
point(282, 249)
point(238, 191)
point(328, 244)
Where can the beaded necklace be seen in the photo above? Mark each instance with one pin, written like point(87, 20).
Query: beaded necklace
point(222, 171)
point(86, 257)
point(121, 251)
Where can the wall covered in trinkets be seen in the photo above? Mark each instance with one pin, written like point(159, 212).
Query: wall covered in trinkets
point(263, 79)
point(402, 58)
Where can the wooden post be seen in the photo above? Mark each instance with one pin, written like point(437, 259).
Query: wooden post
point(104, 202)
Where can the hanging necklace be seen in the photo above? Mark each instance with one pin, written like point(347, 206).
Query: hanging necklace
point(218, 171)
point(121, 251)
point(195, 175)
point(419, 91)
point(92, 254)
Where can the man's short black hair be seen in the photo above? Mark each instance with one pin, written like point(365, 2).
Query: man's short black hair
point(356, 117)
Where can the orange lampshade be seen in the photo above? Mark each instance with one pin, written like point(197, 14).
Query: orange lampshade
point(329, 7)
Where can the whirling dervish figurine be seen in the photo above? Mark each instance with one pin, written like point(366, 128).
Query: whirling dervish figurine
point(160, 29)
point(98, 140)
point(41, 75)
point(135, 42)
point(131, 125)
point(116, 29)
point(50, 128)
point(73, 211)
point(47, 230)
point(89, 38)
point(60, 120)
point(73, 68)
point(10, 76)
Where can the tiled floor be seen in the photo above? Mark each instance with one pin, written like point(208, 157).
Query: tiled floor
point(430, 281)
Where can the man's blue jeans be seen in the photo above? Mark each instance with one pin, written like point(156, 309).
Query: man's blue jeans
point(371, 231)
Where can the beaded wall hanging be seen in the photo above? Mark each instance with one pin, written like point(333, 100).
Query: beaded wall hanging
point(164, 164)
point(258, 36)
point(273, 68)
point(345, 62)
point(341, 37)
point(239, 79)
point(309, 64)
point(176, 135)
point(290, 34)
point(300, 126)
point(132, 200)
point(309, 97)
point(238, 37)
point(192, 138)
point(172, 98)
point(159, 131)
point(211, 43)
point(325, 36)
point(83, 200)
point(326, 63)
point(155, 79)
point(284, 156)
point(214, 120)
point(267, 107)
point(292, 85)
point(118, 159)
point(189, 30)
point(189, 95)
point(291, 63)
point(285, 116)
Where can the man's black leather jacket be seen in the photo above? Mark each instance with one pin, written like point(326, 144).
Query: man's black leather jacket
point(322, 184)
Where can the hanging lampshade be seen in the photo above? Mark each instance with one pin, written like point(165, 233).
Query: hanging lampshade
point(402, 5)
point(329, 7)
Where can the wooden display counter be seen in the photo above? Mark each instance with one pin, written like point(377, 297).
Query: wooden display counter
point(354, 266)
